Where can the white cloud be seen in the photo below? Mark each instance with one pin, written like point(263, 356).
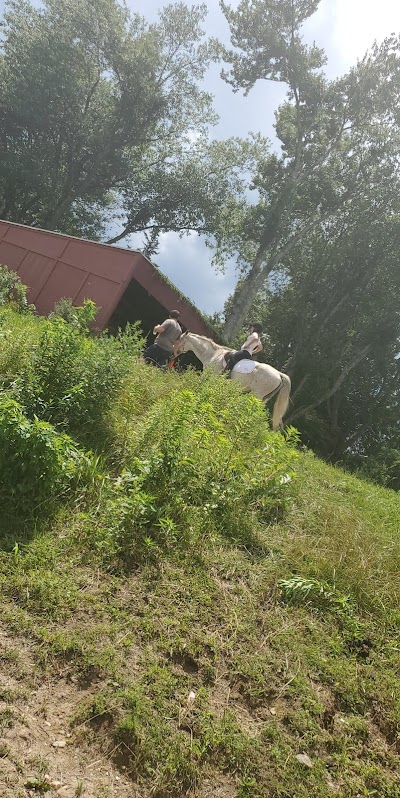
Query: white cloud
point(346, 29)
point(358, 23)
point(187, 263)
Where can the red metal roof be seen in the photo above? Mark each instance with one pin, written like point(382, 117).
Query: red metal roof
point(53, 265)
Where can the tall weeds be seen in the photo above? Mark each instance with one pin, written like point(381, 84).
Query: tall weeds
point(187, 455)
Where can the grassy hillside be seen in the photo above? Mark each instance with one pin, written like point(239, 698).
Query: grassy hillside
point(190, 606)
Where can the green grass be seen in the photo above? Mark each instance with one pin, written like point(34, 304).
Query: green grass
point(232, 603)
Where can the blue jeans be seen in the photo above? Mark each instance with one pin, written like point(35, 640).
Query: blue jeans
point(156, 356)
point(233, 358)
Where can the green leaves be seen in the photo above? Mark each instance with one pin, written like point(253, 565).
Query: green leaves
point(312, 592)
point(38, 466)
point(86, 92)
point(267, 32)
point(72, 377)
point(188, 184)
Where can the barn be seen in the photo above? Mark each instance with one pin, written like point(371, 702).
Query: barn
point(123, 283)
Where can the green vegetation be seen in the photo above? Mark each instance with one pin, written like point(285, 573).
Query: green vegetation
point(231, 601)
point(318, 243)
point(312, 220)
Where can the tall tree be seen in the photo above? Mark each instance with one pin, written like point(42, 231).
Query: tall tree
point(335, 322)
point(87, 93)
point(192, 185)
point(325, 130)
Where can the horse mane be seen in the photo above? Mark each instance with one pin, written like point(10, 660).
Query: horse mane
point(205, 338)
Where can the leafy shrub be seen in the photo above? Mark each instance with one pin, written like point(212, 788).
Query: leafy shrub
point(202, 458)
point(38, 466)
point(194, 468)
point(13, 292)
point(19, 335)
point(122, 520)
point(46, 390)
point(130, 339)
point(73, 378)
point(81, 317)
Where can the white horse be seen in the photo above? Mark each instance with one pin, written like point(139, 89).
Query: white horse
point(262, 380)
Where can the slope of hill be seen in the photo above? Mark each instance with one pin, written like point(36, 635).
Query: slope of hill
point(190, 605)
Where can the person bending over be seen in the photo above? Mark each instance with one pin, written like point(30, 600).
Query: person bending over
point(250, 347)
point(159, 353)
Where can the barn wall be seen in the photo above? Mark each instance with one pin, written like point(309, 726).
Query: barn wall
point(54, 266)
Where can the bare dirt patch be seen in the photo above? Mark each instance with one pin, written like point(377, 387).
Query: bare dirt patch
point(225, 699)
point(37, 748)
point(217, 785)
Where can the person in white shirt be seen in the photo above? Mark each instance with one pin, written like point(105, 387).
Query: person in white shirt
point(251, 346)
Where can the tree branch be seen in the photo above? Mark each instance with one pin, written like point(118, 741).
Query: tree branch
point(347, 369)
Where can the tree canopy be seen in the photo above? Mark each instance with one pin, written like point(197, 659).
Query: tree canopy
point(318, 249)
point(335, 137)
point(97, 110)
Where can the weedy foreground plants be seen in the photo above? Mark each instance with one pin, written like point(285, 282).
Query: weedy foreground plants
point(73, 376)
point(38, 467)
point(222, 607)
point(202, 474)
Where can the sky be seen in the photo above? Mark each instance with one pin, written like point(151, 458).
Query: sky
point(345, 29)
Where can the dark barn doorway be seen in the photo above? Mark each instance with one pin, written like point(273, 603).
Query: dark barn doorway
point(137, 304)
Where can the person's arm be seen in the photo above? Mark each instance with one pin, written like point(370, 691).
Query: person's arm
point(160, 328)
point(248, 342)
point(259, 348)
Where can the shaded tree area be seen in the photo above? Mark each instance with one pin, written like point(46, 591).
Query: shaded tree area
point(318, 248)
point(334, 324)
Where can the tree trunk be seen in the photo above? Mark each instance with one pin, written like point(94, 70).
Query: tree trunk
point(338, 437)
point(246, 290)
point(302, 411)
point(243, 299)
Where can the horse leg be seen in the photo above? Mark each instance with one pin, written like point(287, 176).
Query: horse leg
point(272, 393)
point(281, 401)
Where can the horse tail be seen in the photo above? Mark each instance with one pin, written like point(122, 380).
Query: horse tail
point(281, 401)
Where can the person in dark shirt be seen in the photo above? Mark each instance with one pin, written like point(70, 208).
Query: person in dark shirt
point(159, 353)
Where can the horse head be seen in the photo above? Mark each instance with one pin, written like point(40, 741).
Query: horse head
point(179, 345)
